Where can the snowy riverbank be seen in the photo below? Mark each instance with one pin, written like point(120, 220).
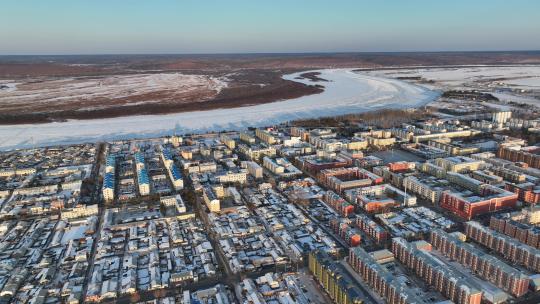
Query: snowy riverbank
point(345, 92)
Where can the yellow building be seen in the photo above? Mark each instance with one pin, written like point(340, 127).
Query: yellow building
point(80, 211)
point(334, 279)
point(380, 138)
point(256, 152)
point(459, 164)
point(444, 144)
point(357, 144)
point(245, 137)
point(211, 199)
point(452, 134)
point(422, 189)
point(227, 141)
point(265, 136)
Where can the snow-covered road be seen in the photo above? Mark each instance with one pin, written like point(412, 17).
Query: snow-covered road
point(345, 92)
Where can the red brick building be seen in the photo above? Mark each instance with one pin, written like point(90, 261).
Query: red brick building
point(529, 155)
point(376, 204)
point(314, 165)
point(444, 279)
point(346, 232)
point(485, 266)
point(470, 206)
point(374, 230)
point(527, 192)
point(527, 234)
point(510, 248)
point(400, 166)
point(338, 203)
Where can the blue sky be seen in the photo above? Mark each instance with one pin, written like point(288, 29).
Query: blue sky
point(234, 26)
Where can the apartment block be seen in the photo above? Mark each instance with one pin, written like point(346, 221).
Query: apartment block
point(459, 164)
point(315, 164)
point(429, 188)
point(446, 280)
point(510, 248)
point(335, 201)
point(526, 233)
point(389, 287)
point(486, 266)
point(452, 134)
point(528, 155)
point(143, 182)
point(266, 136)
point(344, 229)
point(379, 198)
point(253, 168)
point(255, 152)
point(247, 138)
point(108, 187)
point(469, 204)
point(211, 199)
point(527, 192)
point(334, 279)
point(372, 229)
point(452, 149)
point(227, 140)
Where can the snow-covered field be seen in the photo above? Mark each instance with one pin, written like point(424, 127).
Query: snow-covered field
point(504, 82)
point(345, 92)
point(102, 92)
point(464, 76)
point(532, 82)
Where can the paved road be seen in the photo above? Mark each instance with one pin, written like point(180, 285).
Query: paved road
point(101, 208)
point(93, 251)
point(314, 291)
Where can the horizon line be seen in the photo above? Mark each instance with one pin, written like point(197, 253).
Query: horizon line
point(273, 53)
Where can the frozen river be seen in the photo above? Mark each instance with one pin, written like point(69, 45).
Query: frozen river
point(345, 92)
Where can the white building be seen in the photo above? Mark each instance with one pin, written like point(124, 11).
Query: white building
point(175, 201)
point(211, 200)
point(501, 118)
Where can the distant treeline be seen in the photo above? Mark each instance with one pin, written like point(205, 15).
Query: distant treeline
point(386, 118)
point(469, 95)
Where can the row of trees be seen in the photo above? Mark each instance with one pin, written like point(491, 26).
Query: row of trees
point(385, 118)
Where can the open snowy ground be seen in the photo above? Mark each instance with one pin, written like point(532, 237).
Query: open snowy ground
point(519, 84)
point(345, 92)
point(524, 76)
point(88, 93)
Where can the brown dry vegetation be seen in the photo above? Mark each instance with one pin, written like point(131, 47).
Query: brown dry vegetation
point(386, 118)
